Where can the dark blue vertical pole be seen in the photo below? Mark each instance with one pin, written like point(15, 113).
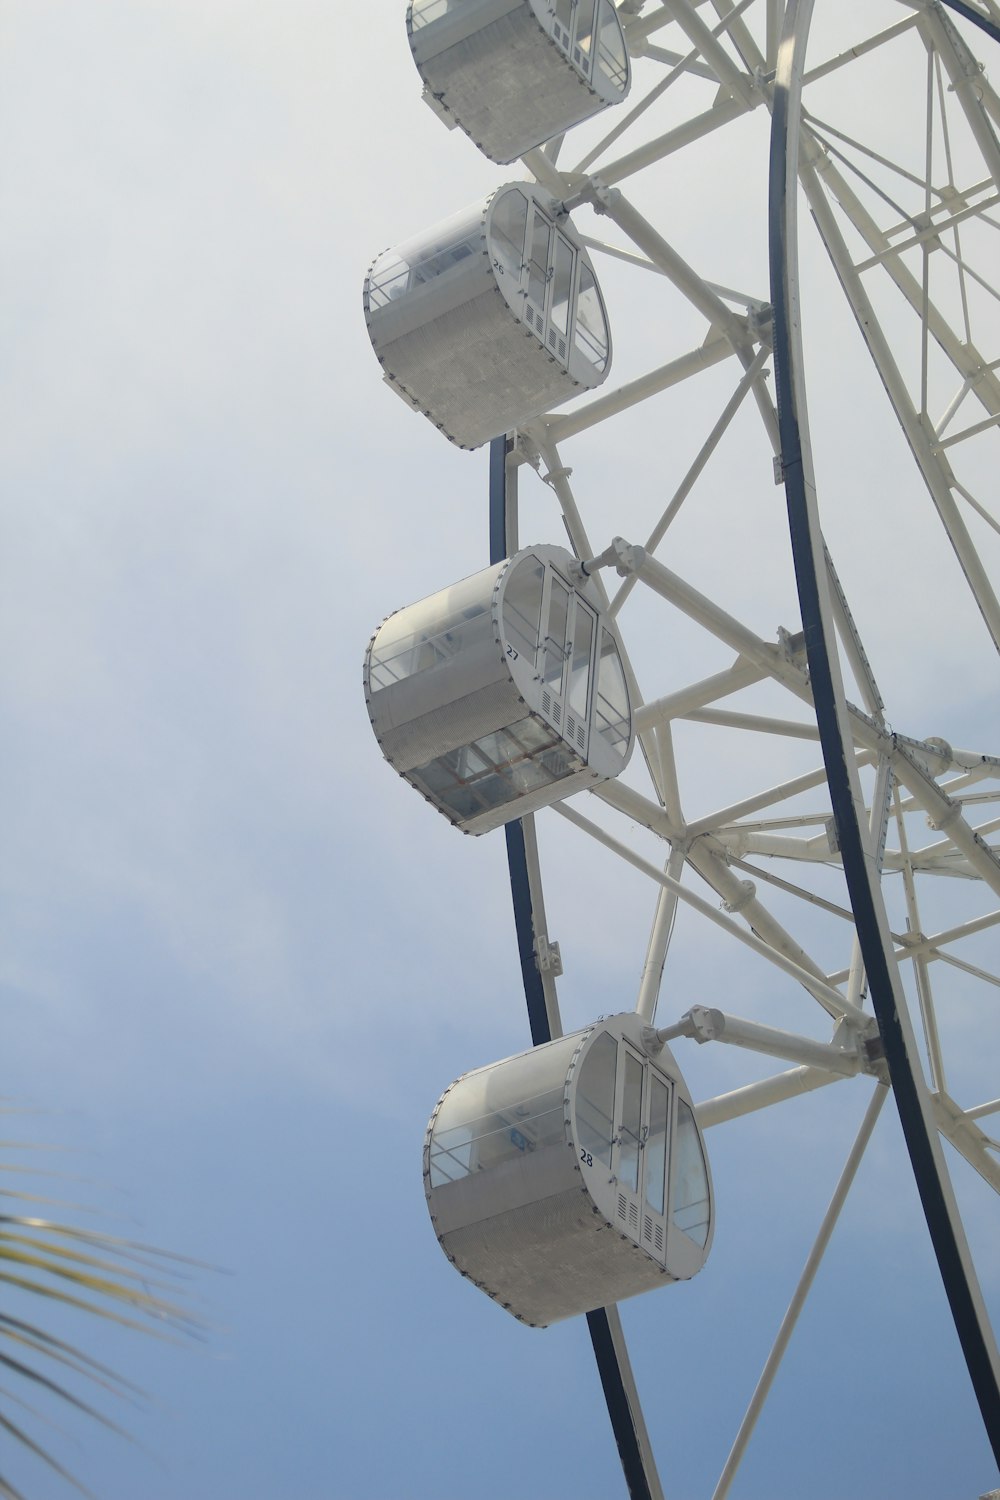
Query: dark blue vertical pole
point(608, 1366)
point(517, 859)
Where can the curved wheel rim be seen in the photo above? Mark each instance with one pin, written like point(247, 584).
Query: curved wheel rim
point(855, 837)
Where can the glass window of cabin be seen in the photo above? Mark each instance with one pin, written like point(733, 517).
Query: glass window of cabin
point(611, 55)
point(387, 279)
point(531, 1093)
point(554, 658)
point(595, 1099)
point(495, 769)
point(689, 1179)
point(508, 226)
point(534, 735)
point(465, 781)
point(585, 31)
point(611, 715)
point(631, 1127)
point(428, 255)
point(513, 760)
point(451, 1155)
point(559, 761)
point(580, 657)
point(425, 634)
point(522, 606)
point(502, 1113)
point(439, 258)
point(423, 12)
point(562, 283)
point(656, 1144)
point(538, 259)
point(590, 333)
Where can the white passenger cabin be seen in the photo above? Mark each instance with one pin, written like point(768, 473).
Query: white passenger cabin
point(514, 73)
point(571, 1176)
point(503, 693)
point(448, 314)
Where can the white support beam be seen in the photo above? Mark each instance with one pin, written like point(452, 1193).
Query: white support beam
point(741, 85)
point(965, 76)
point(967, 1138)
point(740, 898)
point(761, 1095)
point(694, 129)
point(759, 723)
point(947, 816)
point(685, 702)
point(697, 466)
point(705, 1023)
point(914, 945)
point(802, 1290)
point(767, 798)
point(936, 475)
point(858, 50)
point(831, 1000)
point(659, 938)
point(715, 349)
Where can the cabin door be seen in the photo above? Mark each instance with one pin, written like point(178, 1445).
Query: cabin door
point(569, 633)
point(641, 1151)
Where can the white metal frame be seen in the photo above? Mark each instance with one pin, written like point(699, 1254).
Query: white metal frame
point(922, 291)
point(721, 847)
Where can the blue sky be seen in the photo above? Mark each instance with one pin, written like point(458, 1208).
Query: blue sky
point(240, 959)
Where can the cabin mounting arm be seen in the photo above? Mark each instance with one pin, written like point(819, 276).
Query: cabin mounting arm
point(851, 1052)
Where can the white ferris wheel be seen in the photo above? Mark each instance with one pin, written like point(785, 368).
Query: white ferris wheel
point(728, 678)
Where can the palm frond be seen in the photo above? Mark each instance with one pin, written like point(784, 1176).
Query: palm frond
point(63, 1266)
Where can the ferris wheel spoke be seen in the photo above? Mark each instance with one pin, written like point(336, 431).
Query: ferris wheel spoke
point(695, 469)
point(979, 768)
point(851, 642)
point(764, 1094)
point(691, 702)
point(921, 968)
point(943, 1220)
point(936, 476)
point(760, 723)
point(821, 176)
point(964, 74)
point(975, 505)
point(932, 946)
point(679, 65)
point(861, 48)
point(705, 39)
point(660, 935)
point(951, 961)
point(713, 351)
point(740, 898)
point(718, 822)
point(967, 1138)
point(810, 898)
point(799, 1296)
point(697, 128)
point(772, 943)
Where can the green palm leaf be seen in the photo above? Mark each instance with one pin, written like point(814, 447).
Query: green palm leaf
point(61, 1265)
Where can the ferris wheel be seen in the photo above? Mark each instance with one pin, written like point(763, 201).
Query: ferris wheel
point(726, 679)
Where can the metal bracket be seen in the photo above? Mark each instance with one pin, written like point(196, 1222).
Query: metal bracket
point(548, 959)
point(436, 103)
